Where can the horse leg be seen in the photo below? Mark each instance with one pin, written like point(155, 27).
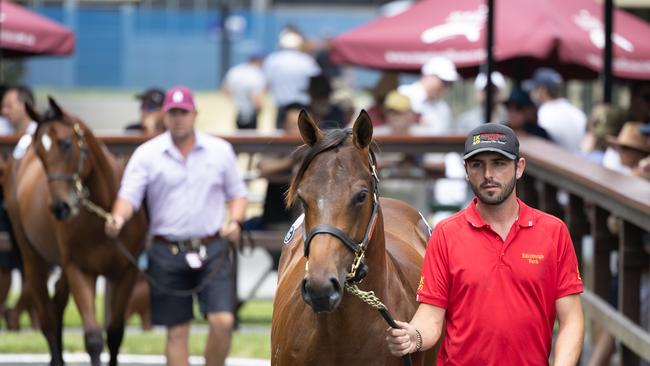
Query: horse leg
point(36, 275)
point(120, 295)
point(61, 294)
point(82, 287)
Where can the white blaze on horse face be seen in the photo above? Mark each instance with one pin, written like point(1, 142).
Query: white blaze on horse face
point(46, 141)
point(321, 204)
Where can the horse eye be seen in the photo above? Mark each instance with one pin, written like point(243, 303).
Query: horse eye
point(361, 197)
point(65, 144)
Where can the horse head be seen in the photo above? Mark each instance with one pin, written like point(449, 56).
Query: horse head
point(60, 145)
point(336, 186)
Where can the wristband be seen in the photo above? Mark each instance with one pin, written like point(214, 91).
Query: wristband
point(418, 343)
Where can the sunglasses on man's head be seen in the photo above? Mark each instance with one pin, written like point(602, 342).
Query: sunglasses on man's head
point(149, 107)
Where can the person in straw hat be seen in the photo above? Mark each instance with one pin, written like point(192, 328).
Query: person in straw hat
point(630, 144)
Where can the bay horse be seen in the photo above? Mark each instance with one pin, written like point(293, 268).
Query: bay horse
point(48, 193)
point(346, 233)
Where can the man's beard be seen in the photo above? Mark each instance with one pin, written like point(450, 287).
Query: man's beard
point(497, 199)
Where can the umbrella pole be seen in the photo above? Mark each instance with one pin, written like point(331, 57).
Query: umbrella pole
point(607, 52)
point(490, 61)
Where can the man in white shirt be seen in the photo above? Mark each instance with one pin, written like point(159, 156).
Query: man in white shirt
point(427, 94)
point(288, 71)
point(245, 84)
point(565, 123)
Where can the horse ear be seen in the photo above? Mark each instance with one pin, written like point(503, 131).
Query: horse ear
point(309, 131)
point(54, 106)
point(362, 130)
point(35, 116)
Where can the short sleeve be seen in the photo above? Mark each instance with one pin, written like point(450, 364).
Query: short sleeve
point(235, 186)
point(435, 279)
point(135, 179)
point(569, 280)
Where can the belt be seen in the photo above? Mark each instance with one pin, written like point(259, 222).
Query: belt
point(187, 244)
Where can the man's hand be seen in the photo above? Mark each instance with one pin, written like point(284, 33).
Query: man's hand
point(114, 226)
point(231, 231)
point(402, 340)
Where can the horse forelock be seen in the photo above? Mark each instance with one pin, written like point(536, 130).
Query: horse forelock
point(333, 139)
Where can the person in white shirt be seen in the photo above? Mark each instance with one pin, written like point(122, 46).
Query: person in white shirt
point(475, 116)
point(288, 71)
point(245, 84)
point(565, 123)
point(427, 94)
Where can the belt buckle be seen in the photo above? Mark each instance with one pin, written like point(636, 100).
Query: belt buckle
point(195, 243)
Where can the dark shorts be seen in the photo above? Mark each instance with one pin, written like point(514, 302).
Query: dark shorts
point(172, 272)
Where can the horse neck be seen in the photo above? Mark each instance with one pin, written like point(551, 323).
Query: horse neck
point(102, 182)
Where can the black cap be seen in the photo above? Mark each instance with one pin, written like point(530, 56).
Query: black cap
point(153, 96)
point(492, 137)
point(545, 77)
point(519, 98)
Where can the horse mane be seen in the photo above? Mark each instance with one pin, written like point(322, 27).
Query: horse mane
point(333, 139)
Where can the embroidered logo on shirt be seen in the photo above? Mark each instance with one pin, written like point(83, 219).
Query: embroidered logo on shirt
point(421, 285)
point(578, 272)
point(532, 258)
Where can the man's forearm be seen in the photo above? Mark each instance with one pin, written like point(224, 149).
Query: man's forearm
point(569, 343)
point(122, 208)
point(238, 209)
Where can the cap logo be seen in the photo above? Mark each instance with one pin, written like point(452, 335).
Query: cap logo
point(177, 97)
point(489, 138)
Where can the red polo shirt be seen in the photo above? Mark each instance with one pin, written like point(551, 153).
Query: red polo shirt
point(499, 295)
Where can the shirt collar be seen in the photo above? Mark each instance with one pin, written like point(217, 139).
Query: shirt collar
point(168, 144)
point(525, 218)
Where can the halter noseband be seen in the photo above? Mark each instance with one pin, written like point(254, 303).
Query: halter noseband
point(359, 269)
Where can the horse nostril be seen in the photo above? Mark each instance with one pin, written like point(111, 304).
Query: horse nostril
point(60, 209)
point(336, 285)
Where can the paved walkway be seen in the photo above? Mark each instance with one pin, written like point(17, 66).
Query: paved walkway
point(73, 359)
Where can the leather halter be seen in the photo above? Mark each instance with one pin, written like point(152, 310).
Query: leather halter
point(83, 154)
point(358, 269)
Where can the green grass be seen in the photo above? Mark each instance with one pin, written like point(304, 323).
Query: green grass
point(253, 312)
point(245, 344)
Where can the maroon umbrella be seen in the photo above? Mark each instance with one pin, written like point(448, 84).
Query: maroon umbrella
point(25, 33)
point(565, 34)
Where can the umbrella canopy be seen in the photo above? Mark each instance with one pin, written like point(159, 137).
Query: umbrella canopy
point(566, 35)
point(25, 33)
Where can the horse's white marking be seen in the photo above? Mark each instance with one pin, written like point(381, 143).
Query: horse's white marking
point(46, 141)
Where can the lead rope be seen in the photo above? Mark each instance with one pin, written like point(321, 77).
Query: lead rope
point(99, 211)
point(371, 299)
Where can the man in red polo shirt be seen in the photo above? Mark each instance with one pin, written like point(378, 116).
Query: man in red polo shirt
point(497, 273)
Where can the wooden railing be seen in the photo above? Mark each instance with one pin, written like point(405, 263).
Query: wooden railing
point(593, 194)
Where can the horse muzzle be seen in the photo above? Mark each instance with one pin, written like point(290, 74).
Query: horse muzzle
point(61, 210)
point(322, 297)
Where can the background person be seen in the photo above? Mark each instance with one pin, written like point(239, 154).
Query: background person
point(151, 101)
point(245, 84)
point(187, 177)
point(565, 123)
point(428, 92)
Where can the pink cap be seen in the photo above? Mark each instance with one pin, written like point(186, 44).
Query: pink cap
point(179, 97)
